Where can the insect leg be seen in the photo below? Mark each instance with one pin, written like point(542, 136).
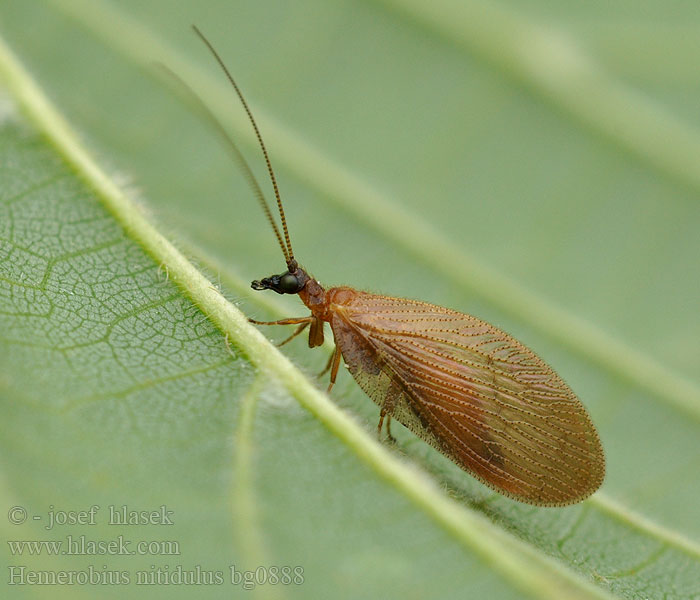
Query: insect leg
point(382, 414)
point(335, 363)
point(292, 321)
point(387, 410)
point(297, 331)
point(328, 365)
point(391, 438)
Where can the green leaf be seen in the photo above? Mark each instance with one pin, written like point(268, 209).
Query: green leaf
point(427, 150)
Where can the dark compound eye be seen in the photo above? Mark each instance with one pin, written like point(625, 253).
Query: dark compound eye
point(289, 284)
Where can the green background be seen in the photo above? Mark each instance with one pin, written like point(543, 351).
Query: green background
point(475, 155)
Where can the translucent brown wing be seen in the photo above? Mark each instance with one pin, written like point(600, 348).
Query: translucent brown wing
point(473, 392)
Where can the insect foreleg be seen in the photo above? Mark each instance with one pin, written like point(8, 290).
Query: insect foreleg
point(303, 323)
point(292, 321)
point(297, 331)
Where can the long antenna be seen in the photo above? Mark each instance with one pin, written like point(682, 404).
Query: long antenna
point(201, 106)
point(289, 255)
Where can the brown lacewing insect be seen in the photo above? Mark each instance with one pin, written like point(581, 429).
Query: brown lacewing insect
point(470, 390)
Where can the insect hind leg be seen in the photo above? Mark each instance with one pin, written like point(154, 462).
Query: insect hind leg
point(390, 438)
point(387, 410)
